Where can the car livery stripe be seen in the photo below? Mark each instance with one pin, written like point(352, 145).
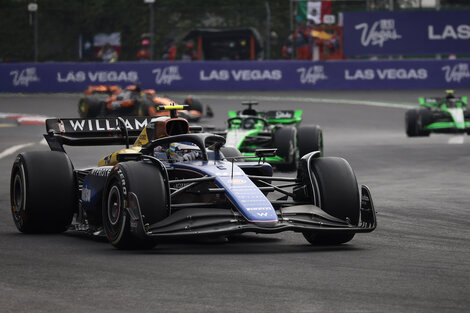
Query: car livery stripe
point(239, 189)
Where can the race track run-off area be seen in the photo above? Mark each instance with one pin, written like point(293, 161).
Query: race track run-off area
point(417, 260)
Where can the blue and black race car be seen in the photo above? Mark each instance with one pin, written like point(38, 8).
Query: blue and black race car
point(172, 180)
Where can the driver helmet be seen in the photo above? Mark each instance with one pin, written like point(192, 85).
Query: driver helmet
point(249, 123)
point(183, 151)
point(449, 94)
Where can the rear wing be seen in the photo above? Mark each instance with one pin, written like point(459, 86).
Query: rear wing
point(93, 131)
point(283, 116)
point(276, 117)
point(426, 101)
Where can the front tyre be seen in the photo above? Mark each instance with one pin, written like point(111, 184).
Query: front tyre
point(411, 123)
point(232, 153)
point(285, 140)
point(146, 182)
point(309, 139)
point(42, 192)
point(339, 197)
point(424, 119)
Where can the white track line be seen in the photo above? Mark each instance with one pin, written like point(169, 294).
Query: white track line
point(13, 149)
point(456, 140)
point(308, 99)
point(25, 119)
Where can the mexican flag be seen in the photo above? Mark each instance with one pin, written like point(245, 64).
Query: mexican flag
point(312, 11)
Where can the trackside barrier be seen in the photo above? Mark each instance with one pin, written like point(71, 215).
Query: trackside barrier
point(239, 75)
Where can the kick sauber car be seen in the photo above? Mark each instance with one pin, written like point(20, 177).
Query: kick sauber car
point(438, 115)
point(249, 130)
point(175, 181)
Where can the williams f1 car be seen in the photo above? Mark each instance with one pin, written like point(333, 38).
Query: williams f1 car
point(111, 100)
point(249, 130)
point(176, 181)
point(438, 115)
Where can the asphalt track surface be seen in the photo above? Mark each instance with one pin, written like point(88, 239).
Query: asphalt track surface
point(417, 260)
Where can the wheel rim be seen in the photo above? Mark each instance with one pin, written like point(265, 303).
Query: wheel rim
point(320, 143)
point(83, 107)
point(294, 154)
point(114, 206)
point(18, 196)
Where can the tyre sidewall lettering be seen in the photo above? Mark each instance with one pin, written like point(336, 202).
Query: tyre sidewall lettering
point(119, 180)
point(19, 212)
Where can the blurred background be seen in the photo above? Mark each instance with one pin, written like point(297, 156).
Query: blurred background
point(49, 30)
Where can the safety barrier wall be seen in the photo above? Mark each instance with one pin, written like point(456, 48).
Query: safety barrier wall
point(240, 75)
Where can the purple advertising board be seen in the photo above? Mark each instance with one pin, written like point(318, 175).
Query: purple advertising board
point(239, 75)
point(406, 33)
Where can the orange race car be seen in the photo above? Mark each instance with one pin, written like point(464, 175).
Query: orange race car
point(111, 100)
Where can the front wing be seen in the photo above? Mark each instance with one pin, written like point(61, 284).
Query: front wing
point(214, 221)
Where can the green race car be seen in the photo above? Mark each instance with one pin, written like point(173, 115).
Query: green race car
point(438, 115)
point(249, 130)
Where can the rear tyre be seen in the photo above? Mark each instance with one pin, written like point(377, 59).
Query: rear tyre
point(285, 140)
point(309, 139)
point(232, 153)
point(42, 192)
point(143, 107)
point(89, 107)
point(147, 183)
point(411, 123)
point(339, 196)
point(193, 103)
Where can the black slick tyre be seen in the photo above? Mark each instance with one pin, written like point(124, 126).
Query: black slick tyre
point(309, 139)
point(411, 123)
point(193, 103)
point(143, 107)
point(42, 192)
point(424, 119)
point(339, 196)
point(232, 153)
point(91, 107)
point(146, 182)
point(285, 140)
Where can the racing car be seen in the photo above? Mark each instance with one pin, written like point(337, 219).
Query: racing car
point(249, 130)
point(447, 114)
point(170, 179)
point(91, 104)
point(110, 100)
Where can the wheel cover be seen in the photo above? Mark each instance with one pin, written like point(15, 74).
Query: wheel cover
point(293, 155)
point(114, 206)
point(83, 107)
point(18, 197)
point(320, 143)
